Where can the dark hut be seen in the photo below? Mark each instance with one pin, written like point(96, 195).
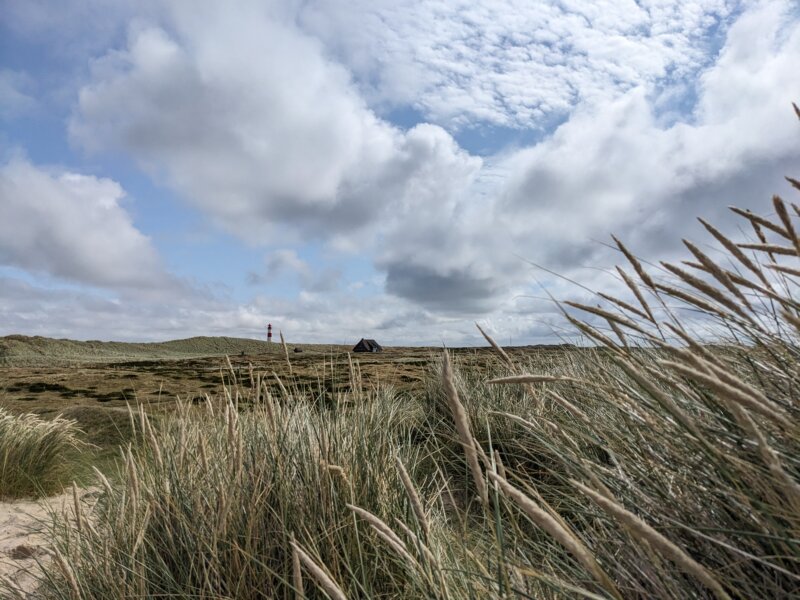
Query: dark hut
point(367, 346)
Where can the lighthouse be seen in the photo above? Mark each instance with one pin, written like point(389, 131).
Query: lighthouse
point(269, 332)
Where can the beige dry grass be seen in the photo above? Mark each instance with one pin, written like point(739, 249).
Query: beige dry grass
point(36, 455)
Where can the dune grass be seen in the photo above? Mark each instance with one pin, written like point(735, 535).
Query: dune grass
point(662, 462)
point(37, 456)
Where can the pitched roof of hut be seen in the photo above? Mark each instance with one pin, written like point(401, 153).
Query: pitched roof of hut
point(365, 345)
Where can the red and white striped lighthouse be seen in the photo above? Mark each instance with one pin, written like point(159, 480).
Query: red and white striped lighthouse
point(269, 332)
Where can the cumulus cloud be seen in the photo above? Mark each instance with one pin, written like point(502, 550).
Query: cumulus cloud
point(613, 167)
point(448, 290)
point(616, 168)
point(243, 115)
point(73, 226)
point(282, 261)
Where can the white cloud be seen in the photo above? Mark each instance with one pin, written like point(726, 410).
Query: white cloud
point(72, 226)
point(615, 168)
point(511, 62)
point(242, 114)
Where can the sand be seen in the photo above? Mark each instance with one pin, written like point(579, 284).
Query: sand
point(23, 543)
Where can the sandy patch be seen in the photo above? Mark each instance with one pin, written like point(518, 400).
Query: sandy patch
point(23, 543)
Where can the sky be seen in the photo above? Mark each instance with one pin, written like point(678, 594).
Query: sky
point(397, 170)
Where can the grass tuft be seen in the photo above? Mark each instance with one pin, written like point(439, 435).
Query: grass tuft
point(37, 456)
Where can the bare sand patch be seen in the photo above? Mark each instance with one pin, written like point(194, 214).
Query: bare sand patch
point(23, 536)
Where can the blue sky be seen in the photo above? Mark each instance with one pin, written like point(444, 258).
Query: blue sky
point(377, 169)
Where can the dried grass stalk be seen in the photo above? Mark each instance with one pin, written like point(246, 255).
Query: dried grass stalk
point(103, 481)
point(618, 332)
point(751, 398)
point(322, 578)
point(636, 292)
point(693, 345)
point(230, 369)
point(286, 352)
point(559, 532)
point(637, 266)
point(791, 488)
point(574, 410)
point(280, 385)
point(761, 221)
point(497, 348)
point(66, 571)
point(462, 426)
point(794, 320)
point(499, 466)
point(297, 575)
point(386, 533)
point(780, 208)
point(594, 334)
point(609, 316)
point(78, 508)
point(771, 249)
point(692, 299)
point(708, 290)
point(12, 586)
point(413, 497)
point(785, 269)
point(769, 292)
point(656, 540)
point(418, 543)
point(662, 397)
point(623, 305)
point(735, 251)
point(717, 272)
point(532, 379)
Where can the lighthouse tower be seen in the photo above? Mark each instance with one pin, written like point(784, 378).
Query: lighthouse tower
point(269, 332)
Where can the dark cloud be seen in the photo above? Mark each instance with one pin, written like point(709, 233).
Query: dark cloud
point(455, 290)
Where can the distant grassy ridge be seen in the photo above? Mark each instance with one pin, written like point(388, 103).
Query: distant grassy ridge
point(20, 350)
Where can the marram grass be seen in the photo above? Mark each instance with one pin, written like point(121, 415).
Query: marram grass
point(37, 456)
